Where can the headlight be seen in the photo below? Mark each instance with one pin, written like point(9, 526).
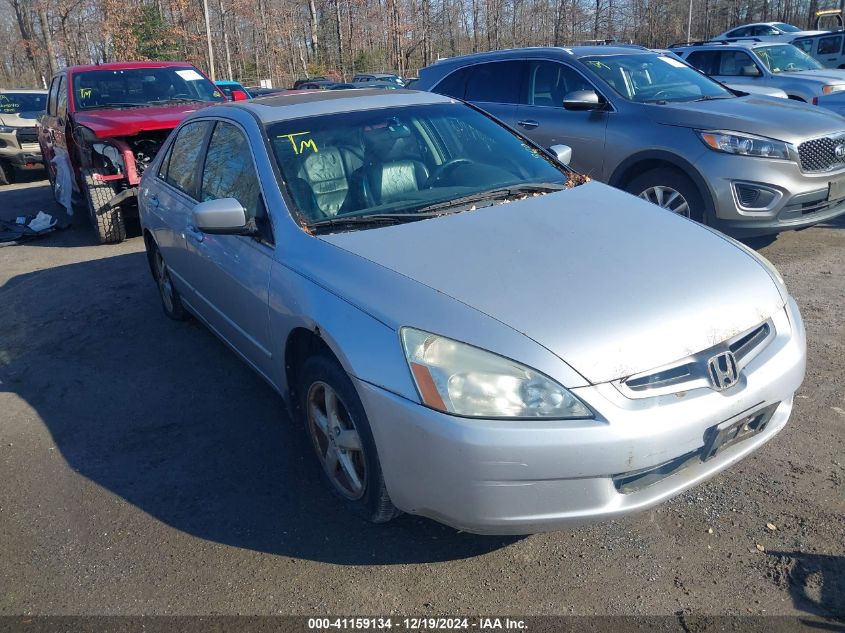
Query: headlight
point(744, 144)
point(5, 129)
point(464, 380)
point(830, 89)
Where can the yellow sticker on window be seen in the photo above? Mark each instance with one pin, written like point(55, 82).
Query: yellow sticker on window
point(85, 93)
point(216, 94)
point(300, 145)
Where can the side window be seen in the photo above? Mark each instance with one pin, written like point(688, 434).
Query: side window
point(229, 170)
point(61, 100)
point(51, 99)
point(805, 45)
point(549, 83)
point(830, 45)
point(736, 64)
point(704, 61)
point(184, 155)
point(496, 82)
point(454, 85)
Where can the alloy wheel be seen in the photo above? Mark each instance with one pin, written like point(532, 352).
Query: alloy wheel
point(336, 440)
point(667, 198)
point(165, 285)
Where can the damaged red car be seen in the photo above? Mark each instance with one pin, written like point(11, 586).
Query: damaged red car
point(103, 126)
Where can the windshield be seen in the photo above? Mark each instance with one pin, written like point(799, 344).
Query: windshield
point(786, 59)
point(138, 87)
point(786, 28)
point(405, 160)
point(17, 102)
point(654, 78)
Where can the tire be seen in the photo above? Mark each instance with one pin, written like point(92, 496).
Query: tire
point(108, 221)
point(7, 173)
point(673, 181)
point(372, 502)
point(171, 301)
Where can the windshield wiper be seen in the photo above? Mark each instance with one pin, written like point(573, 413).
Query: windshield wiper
point(710, 98)
point(177, 100)
point(103, 106)
point(494, 194)
point(376, 219)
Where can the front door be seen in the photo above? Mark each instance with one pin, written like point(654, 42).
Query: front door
point(231, 273)
point(546, 122)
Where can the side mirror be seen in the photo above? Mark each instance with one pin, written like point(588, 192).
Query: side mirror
point(225, 216)
point(239, 95)
point(563, 153)
point(750, 71)
point(581, 100)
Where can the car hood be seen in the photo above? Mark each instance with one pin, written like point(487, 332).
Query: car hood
point(756, 90)
point(821, 75)
point(132, 121)
point(782, 119)
point(609, 283)
point(23, 119)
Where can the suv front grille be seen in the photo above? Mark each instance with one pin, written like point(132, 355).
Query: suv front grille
point(27, 135)
point(819, 154)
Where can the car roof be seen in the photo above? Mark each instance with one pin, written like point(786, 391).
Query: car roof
point(128, 65)
point(228, 82)
point(726, 44)
point(29, 91)
point(285, 107)
point(570, 51)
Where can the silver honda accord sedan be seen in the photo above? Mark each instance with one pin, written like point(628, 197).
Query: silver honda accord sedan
point(466, 329)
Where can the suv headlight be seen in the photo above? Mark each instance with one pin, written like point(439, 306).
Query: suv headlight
point(831, 88)
point(5, 129)
point(744, 144)
point(463, 380)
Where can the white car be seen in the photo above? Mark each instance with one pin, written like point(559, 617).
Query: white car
point(766, 32)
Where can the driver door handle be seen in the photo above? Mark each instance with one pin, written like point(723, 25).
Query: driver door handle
point(528, 124)
point(194, 233)
point(153, 201)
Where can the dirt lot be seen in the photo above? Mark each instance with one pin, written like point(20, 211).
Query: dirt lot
point(145, 470)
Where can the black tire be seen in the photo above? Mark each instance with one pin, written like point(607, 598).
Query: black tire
point(171, 301)
point(7, 173)
point(374, 504)
point(108, 221)
point(672, 179)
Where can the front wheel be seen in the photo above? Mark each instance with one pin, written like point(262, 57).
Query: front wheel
point(342, 440)
point(7, 174)
point(107, 220)
point(171, 302)
point(671, 190)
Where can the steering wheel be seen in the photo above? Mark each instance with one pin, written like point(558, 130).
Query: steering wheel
point(791, 66)
point(445, 168)
point(661, 94)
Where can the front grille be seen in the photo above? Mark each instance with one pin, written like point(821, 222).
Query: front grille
point(693, 371)
point(27, 135)
point(820, 153)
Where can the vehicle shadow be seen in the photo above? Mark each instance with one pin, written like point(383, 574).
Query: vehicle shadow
point(165, 416)
point(816, 581)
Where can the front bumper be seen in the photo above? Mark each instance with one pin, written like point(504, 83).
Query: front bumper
point(801, 199)
point(521, 477)
point(22, 158)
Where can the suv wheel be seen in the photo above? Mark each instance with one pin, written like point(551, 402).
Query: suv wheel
point(7, 174)
point(106, 219)
point(671, 190)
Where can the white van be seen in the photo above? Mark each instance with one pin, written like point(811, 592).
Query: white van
point(827, 48)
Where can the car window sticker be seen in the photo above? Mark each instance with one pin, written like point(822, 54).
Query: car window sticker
point(299, 145)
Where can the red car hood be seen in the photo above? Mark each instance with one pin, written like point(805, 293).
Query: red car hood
point(131, 121)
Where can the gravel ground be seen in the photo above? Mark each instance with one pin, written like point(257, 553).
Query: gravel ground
point(145, 470)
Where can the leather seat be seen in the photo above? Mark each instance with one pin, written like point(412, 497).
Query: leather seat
point(391, 168)
point(328, 173)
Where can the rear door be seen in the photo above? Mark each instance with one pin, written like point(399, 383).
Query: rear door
point(496, 87)
point(829, 50)
point(231, 273)
point(50, 134)
point(544, 120)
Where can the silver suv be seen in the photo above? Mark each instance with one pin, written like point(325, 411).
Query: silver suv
point(780, 65)
point(19, 147)
point(650, 124)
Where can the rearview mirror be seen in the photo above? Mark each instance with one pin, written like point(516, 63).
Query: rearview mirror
point(239, 95)
point(750, 71)
point(563, 153)
point(225, 216)
point(581, 100)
